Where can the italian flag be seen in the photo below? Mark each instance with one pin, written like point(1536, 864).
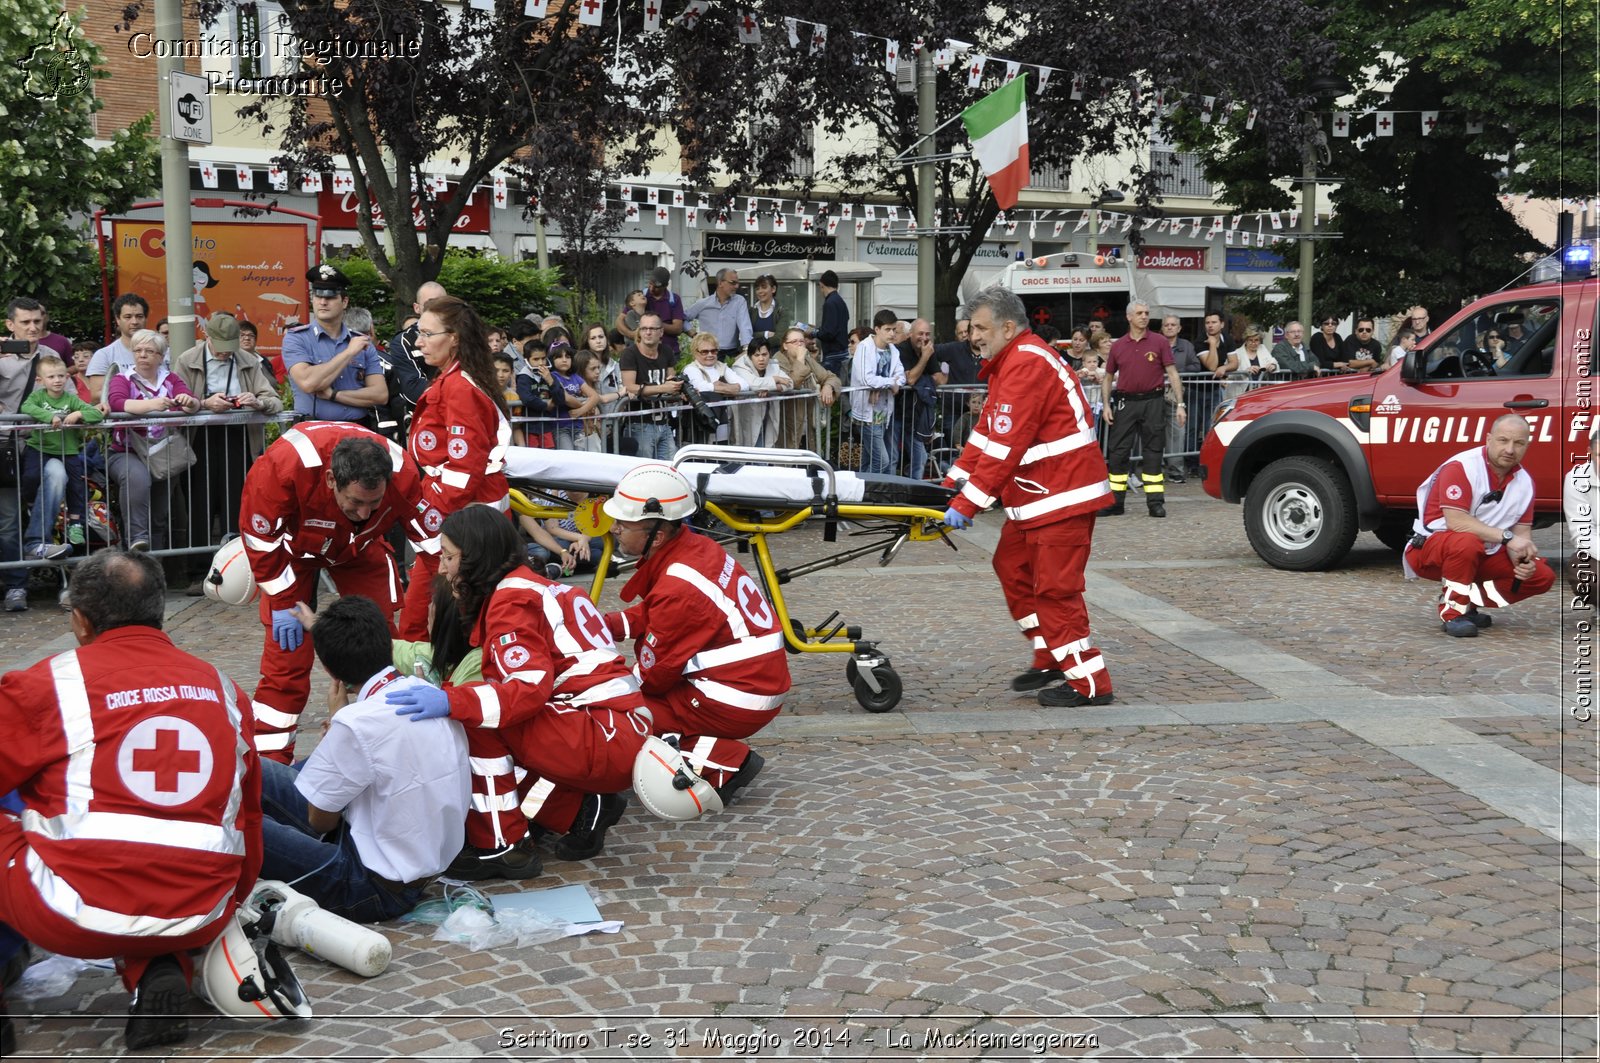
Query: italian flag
point(998, 126)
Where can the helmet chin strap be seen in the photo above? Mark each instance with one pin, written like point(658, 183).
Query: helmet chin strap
point(656, 527)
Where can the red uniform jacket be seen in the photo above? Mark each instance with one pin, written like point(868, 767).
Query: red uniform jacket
point(1034, 448)
point(703, 621)
point(140, 782)
point(458, 439)
point(544, 644)
point(288, 517)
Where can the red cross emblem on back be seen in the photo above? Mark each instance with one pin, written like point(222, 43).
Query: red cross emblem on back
point(167, 761)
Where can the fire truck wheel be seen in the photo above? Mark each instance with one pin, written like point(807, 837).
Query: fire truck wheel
point(1395, 532)
point(1300, 514)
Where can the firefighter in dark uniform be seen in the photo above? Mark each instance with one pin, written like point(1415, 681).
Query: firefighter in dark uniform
point(1139, 367)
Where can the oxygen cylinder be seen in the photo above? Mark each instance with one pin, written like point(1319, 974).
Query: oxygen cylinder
point(297, 921)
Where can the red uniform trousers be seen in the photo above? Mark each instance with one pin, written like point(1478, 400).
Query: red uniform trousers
point(1471, 577)
point(286, 677)
point(419, 595)
point(708, 731)
point(22, 909)
point(567, 753)
point(1041, 574)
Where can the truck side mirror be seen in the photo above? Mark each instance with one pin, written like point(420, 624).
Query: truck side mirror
point(1411, 367)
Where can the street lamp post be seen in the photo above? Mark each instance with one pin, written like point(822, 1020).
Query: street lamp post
point(1323, 87)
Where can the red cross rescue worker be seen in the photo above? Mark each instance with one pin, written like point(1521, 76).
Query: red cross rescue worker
point(708, 650)
point(140, 790)
point(557, 700)
point(459, 434)
point(1034, 451)
point(1474, 516)
point(321, 498)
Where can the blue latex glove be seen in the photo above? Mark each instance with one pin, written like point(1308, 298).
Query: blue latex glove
point(419, 702)
point(953, 518)
point(286, 630)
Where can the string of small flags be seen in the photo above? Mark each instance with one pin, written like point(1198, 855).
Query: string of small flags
point(641, 203)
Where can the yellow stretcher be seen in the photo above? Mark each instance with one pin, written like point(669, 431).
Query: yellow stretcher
point(756, 494)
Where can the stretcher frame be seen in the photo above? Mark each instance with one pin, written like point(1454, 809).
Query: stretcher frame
point(751, 524)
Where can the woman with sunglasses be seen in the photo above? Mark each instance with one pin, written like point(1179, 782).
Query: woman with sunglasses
point(1495, 344)
point(1328, 346)
point(459, 433)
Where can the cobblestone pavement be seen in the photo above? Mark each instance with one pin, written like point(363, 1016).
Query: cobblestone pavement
point(1311, 827)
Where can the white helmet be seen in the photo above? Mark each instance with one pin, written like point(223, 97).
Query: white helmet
point(653, 490)
point(668, 786)
point(230, 580)
point(245, 976)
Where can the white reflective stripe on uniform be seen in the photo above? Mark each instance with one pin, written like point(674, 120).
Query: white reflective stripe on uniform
point(1064, 445)
point(1468, 591)
point(454, 478)
point(127, 827)
point(274, 718)
point(397, 455)
point(1492, 593)
point(995, 450)
point(263, 546)
point(77, 729)
point(715, 594)
point(1038, 642)
point(1066, 498)
point(394, 581)
point(585, 663)
point(488, 703)
point(427, 546)
point(62, 899)
point(698, 756)
point(502, 440)
point(726, 695)
point(743, 650)
point(970, 492)
point(1084, 668)
point(279, 583)
point(491, 765)
point(518, 583)
point(304, 447)
point(1029, 622)
point(537, 795)
point(956, 472)
point(623, 686)
point(494, 802)
point(267, 743)
point(627, 628)
point(503, 504)
point(527, 675)
point(230, 702)
point(1071, 647)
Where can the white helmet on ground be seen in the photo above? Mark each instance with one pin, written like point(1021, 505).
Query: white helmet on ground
point(653, 490)
point(230, 580)
point(668, 786)
point(245, 976)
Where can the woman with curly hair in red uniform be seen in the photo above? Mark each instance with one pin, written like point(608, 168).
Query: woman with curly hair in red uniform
point(459, 433)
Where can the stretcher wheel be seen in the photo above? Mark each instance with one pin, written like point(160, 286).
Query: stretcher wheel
point(881, 700)
point(851, 671)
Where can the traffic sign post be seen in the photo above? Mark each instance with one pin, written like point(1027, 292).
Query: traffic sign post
point(190, 117)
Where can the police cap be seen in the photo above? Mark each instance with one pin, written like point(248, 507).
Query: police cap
point(327, 280)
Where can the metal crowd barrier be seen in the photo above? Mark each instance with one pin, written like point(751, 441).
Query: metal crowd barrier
point(189, 513)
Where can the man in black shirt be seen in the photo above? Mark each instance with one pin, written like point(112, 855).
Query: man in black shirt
point(833, 334)
point(649, 379)
point(1361, 348)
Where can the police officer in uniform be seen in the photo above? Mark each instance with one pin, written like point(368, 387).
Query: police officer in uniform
point(1140, 363)
point(335, 373)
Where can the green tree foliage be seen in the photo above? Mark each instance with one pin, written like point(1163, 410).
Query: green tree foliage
point(500, 291)
point(50, 177)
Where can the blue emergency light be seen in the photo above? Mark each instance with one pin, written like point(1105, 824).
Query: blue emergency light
point(1577, 260)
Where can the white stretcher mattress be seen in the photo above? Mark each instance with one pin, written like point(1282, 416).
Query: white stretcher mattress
point(765, 486)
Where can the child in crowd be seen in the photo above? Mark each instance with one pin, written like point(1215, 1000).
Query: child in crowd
point(1405, 341)
point(627, 321)
point(505, 375)
point(558, 548)
point(82, 351)
point(54, 457)
point(574, 398)
point(589, 367)
point(537, 395)
point(755, 424)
